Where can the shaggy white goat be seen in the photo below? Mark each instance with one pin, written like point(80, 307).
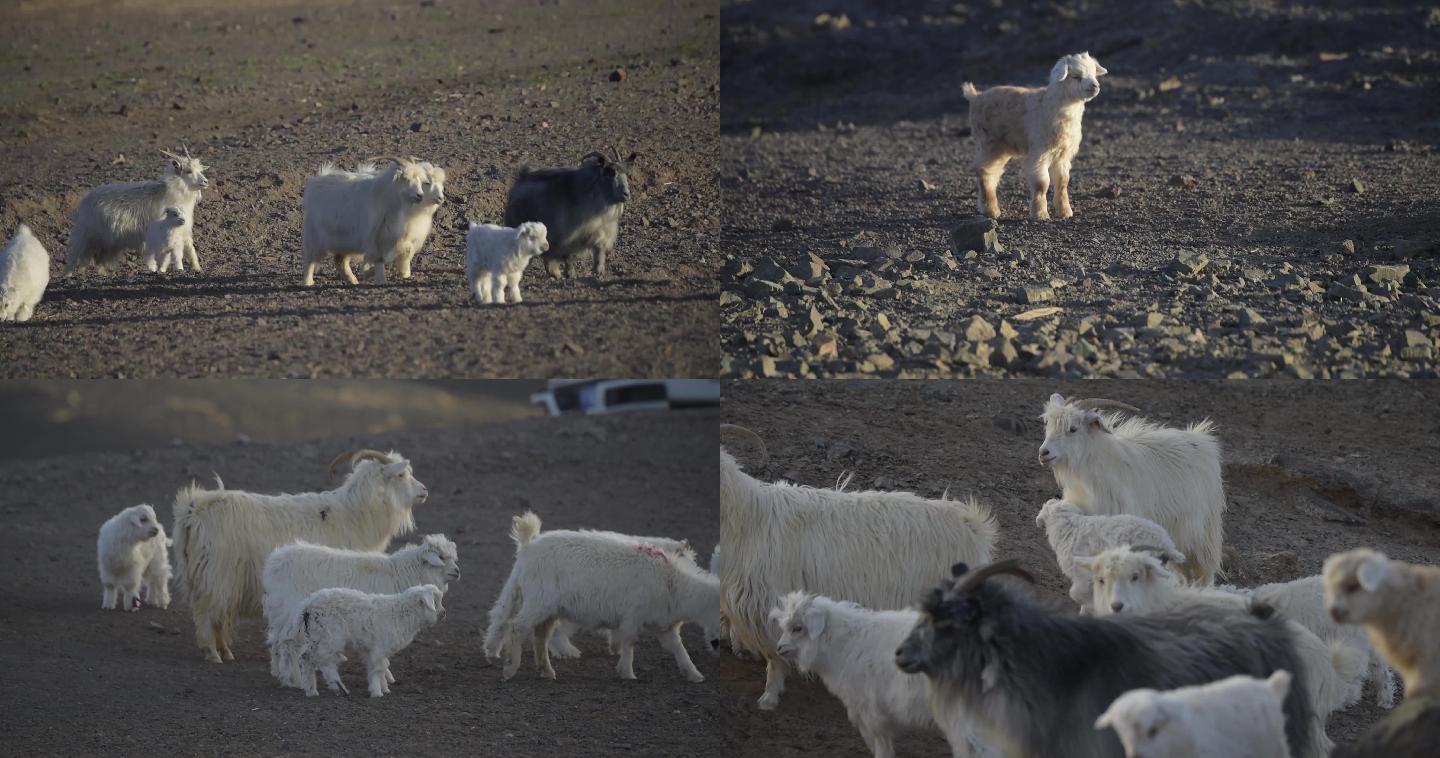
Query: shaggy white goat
point(132, 554)
point(24, 275)
point(112, 219)
point(1072, 532)
point(379, 215)
point(1040, 123)
point(497, 256)
point(1398, 605)
point(223, 537)
point(1135, 582)
point(165, 241)
point(1170, 476)
point(879, 549)
point(295, 571)
point(599, 581)
point(1236, 717)
point(380, 625)
point(852, 650)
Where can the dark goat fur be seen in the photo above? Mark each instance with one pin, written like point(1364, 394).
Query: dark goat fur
point(580, 208)
point(1036, 680)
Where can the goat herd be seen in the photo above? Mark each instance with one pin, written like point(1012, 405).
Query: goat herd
point(380, 214)
point(313, 565)
point(1160, 660)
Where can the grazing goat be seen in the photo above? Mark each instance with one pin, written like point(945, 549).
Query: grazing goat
point(1170, 476)
point(165, 241)
point(878, 549)
point(599, 581)
point(1237, 717)
point(223, 537)
point(380, 625)
point(379, 215)
point(24, 275)
point(112, 219)
point(1073, 532)
point(1398, 605)
point(132, 553)
point(1040, 123)
point(1034, 680)
point(581, 207)
point(294, 571)
point(496, 258)
point(852, 649)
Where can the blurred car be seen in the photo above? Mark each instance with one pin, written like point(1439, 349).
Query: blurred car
point(564, 397)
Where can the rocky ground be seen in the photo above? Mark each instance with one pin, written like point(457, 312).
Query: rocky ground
point(1255, 195)
point(1347, 464)
point(81, 681)
point(264, 91)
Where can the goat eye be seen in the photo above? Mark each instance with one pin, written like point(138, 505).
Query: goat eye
point(1135, 577)
point(1074, 429)
point(1154, 730)
point(1099, 581)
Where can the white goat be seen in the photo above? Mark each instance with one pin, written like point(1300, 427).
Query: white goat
point(131, 552)
point(1073, 532)
point(295, 571)
point(1040, 123)
point(165, 241)
point(1398, 605)
point(599, 581)
point(1303, 601)
point(1170, 476)
point(24, 275)
point(380, 215)
point(1135, 582)
point(381, 625)
point(852, 650)
point(112, 219)
point(223, 537)
point(497, 256)
point(879, 549)
point(1237, 717)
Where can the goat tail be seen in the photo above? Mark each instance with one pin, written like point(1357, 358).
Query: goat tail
point(969, 91)
point(523, 529)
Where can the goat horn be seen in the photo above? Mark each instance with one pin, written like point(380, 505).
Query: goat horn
point(594, 154)
point(616, 151)
point(1098, 403)
point(972, 579)
point(355, 455)
point(742, 431)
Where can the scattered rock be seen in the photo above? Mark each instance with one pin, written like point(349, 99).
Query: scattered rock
point(1173, 83)
point(978, 233)
point(1189, 263)
point(1347, 247)
point(1378, 274)
point(619, 75)
point(1035, 313)
point(1031, 295)
point(835, 23)
point(1357, 186)
point(978, 330)
point(1109, 193)
point(1184, 181)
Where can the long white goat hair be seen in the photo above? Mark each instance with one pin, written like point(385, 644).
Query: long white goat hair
point(879, 549)
point(294, 571)
point(112, 219)
point(852, 650)
point(24, 275)
point(1171, 476)
point(379, 625)
point(222, 537)
point(379, 215)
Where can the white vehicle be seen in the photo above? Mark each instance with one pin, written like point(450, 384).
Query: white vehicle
point(589, 396)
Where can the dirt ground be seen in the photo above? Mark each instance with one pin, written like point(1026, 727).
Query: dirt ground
point(1252, 139)
point(1342, 465)
point(80, 681)
point(264, 91)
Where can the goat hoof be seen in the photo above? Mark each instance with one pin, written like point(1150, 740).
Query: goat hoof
point(769, 702)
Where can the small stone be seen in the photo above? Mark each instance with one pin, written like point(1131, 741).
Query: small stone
point(767, 367)
point(811, 269)
point(1415, 338)
point(729, 298)
point(758, 289)
point(824, 346)
point(1032, 295)
point(1189, 263)
point(1379, 274)
point(618, 75)
point(783, 224)
point(1347, 247)
point(1149, 320)
point(766, 268)
point(1184, 181)
point(1109, 193)
point(1341, 291)
point(814, 322)
point(979, 330)
point(1173, 83)
point(978, 233)
point(1250, 318)
point(878, 362)
point(1357, 186)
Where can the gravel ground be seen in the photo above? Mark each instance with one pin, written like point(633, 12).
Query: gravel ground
point(264, 91)
point(80, 681)
point(1346, 464)
point(1255, 194)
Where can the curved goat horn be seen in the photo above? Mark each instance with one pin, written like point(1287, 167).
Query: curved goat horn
point(595, 154)
point(972, 579)
point(355, 456)
point(742, 431)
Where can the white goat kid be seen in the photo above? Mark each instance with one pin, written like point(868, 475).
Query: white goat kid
point(1072, 532)
point(113, 219)
point(1236, 717)
point(496, 257)
point(1040, 123)
point(380, 625)
point(1105, 465)
point(223, 537)
point(24, 275)
point(379, 215)
point(852, 650)
point(132, 555)
point(165, 241)
point(1398, 606)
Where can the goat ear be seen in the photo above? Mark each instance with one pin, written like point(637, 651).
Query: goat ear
point(1057, 399)
point(434, 560)
point(395, 469)
point(1094, 420)
point(429, 598)
point(1100, 70)
point(1060, 72)
point(814, 621)
point(1280, 683)
point(1372, 571)
point(1104, 722)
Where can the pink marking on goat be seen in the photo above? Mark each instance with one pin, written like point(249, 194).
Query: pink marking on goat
point(650, 549)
